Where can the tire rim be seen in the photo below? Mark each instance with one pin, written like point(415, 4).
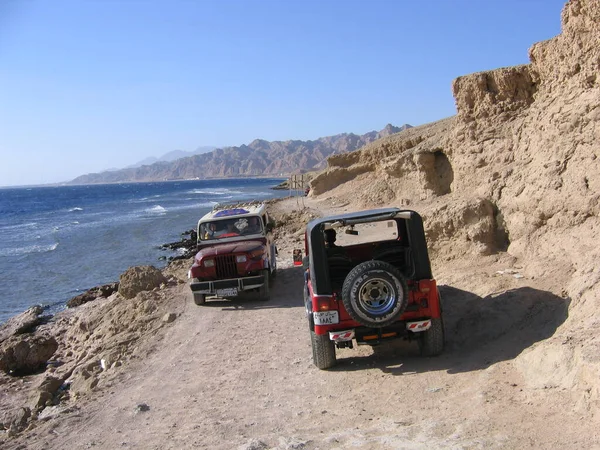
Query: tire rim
point(377, 297)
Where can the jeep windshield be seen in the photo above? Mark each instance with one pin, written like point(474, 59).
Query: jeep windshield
point(225, 228)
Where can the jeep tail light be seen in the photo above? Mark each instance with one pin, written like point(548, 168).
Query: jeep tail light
point(325, 304)
point(209, 263)
point(425, 286)
point(240, 259)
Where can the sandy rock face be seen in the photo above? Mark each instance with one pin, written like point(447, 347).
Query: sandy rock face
point(492, 93)
point(138, 279)
point(572, 56)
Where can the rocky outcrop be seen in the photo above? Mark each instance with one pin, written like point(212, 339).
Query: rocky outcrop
point(138, 279)
point(22, 355)
point(187, 247)
point(23, 323)
point(92, 294)
point(494, 93)
point(259, 158)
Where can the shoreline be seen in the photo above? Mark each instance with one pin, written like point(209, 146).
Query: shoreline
point(156, 252)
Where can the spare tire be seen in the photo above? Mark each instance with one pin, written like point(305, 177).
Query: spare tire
point(375, 293)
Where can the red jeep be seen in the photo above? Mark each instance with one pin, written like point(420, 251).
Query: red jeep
point(368, 279)
point(236, 252)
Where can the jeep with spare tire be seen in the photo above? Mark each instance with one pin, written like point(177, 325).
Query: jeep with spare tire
point(236, 253)
point(368, 279)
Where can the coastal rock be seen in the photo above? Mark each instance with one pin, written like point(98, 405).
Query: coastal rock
point(22, 355)
point(15, 420)
point(187, 246)
point(23, 323)
point(92, 294)
point(138, 279)
point(46, 391)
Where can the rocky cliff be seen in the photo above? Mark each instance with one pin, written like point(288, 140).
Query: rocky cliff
point(516, 171)
point(258, 158)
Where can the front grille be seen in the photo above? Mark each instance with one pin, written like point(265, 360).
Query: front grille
point(225, 266)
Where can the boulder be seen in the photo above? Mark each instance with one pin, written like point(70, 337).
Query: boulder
point(46, 391)
point(92, 294)
point(138, 279)
point(23, 323)
point(15, 420)
point(23, 355)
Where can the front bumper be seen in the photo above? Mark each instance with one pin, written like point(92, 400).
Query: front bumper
point(242, 284)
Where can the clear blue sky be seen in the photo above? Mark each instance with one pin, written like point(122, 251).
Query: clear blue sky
point(91, 85)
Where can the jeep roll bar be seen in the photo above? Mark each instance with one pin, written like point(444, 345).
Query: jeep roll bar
point(317, 254)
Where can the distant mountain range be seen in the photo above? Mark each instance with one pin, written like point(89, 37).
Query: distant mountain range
point(259, 158)
point(172, 156)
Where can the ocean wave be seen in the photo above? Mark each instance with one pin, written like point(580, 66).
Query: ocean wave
point(77, 208)
point(151, 198)
point(157, 209)
point(29, 249)
point(217, 191)
point(192, 206)
point(20, 226)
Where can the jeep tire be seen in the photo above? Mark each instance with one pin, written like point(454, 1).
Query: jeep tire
point(199, 299)
point(431, 341)
point(264, 292)
point(323, 350)
point(375, 294)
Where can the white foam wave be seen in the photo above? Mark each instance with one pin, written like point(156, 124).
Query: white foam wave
point(29, 249)
point(20, 226)
point(156, 209)
point(146, 199)
point(217, 191)
point(77, 208)
point(192, 206)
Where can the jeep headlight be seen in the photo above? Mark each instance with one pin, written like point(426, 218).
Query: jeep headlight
point(240, 258)
point(209, 263)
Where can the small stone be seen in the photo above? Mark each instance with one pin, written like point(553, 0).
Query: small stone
point(254, 444)
point(142, 407)
point(169, 317)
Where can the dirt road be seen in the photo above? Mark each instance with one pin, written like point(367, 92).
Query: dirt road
point(239, 374)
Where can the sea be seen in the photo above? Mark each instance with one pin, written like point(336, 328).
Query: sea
point(58, 241)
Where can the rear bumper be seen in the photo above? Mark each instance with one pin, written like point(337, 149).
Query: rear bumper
point(372, 336)
point(242, 284)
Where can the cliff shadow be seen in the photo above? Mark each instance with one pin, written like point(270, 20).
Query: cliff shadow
point(286, 292)
point(479, 331)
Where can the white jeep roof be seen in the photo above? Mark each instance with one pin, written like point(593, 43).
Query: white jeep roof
point(237, 210)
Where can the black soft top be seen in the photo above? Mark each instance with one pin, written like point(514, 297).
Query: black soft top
point(317, 252)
